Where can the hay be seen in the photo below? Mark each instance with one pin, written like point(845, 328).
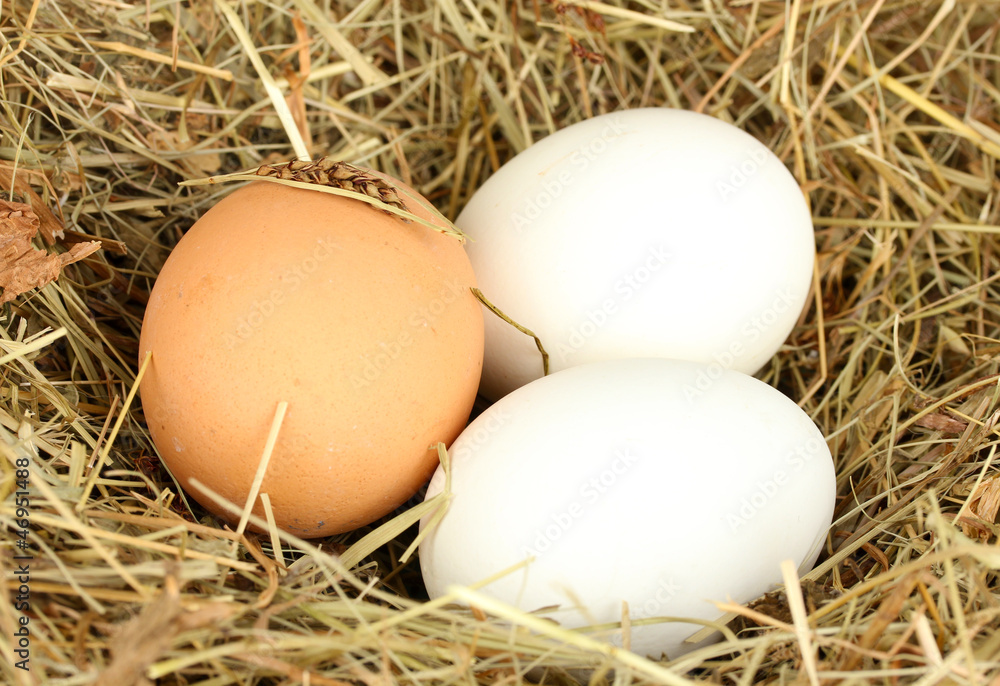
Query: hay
point(886, 113)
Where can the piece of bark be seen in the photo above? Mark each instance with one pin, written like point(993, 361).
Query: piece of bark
point(22, 267)
point(139, 642)
point(49, 224)
point(942, 422)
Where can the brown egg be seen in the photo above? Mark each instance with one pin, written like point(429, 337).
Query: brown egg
point(362, 322)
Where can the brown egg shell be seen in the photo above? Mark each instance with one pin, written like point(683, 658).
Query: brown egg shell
point(362, 322)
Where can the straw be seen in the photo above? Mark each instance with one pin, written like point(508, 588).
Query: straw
point(121, 121)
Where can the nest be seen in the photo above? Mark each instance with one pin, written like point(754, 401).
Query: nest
point(886, 115)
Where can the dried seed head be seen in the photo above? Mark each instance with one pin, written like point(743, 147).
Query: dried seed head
point(336, 174)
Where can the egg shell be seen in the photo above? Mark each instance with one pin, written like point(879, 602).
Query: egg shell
point(662, 483)
point(642, 233)
point(362, 322)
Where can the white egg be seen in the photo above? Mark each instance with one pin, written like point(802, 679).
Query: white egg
point(662, 483)
point(642, 233)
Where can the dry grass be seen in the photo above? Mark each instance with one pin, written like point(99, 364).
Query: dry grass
point(885, 111)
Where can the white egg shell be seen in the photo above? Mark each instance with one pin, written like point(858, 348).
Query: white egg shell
point(658, 482)
point(642, 233)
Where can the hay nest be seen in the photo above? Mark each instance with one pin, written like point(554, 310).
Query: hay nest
point(886, 114)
